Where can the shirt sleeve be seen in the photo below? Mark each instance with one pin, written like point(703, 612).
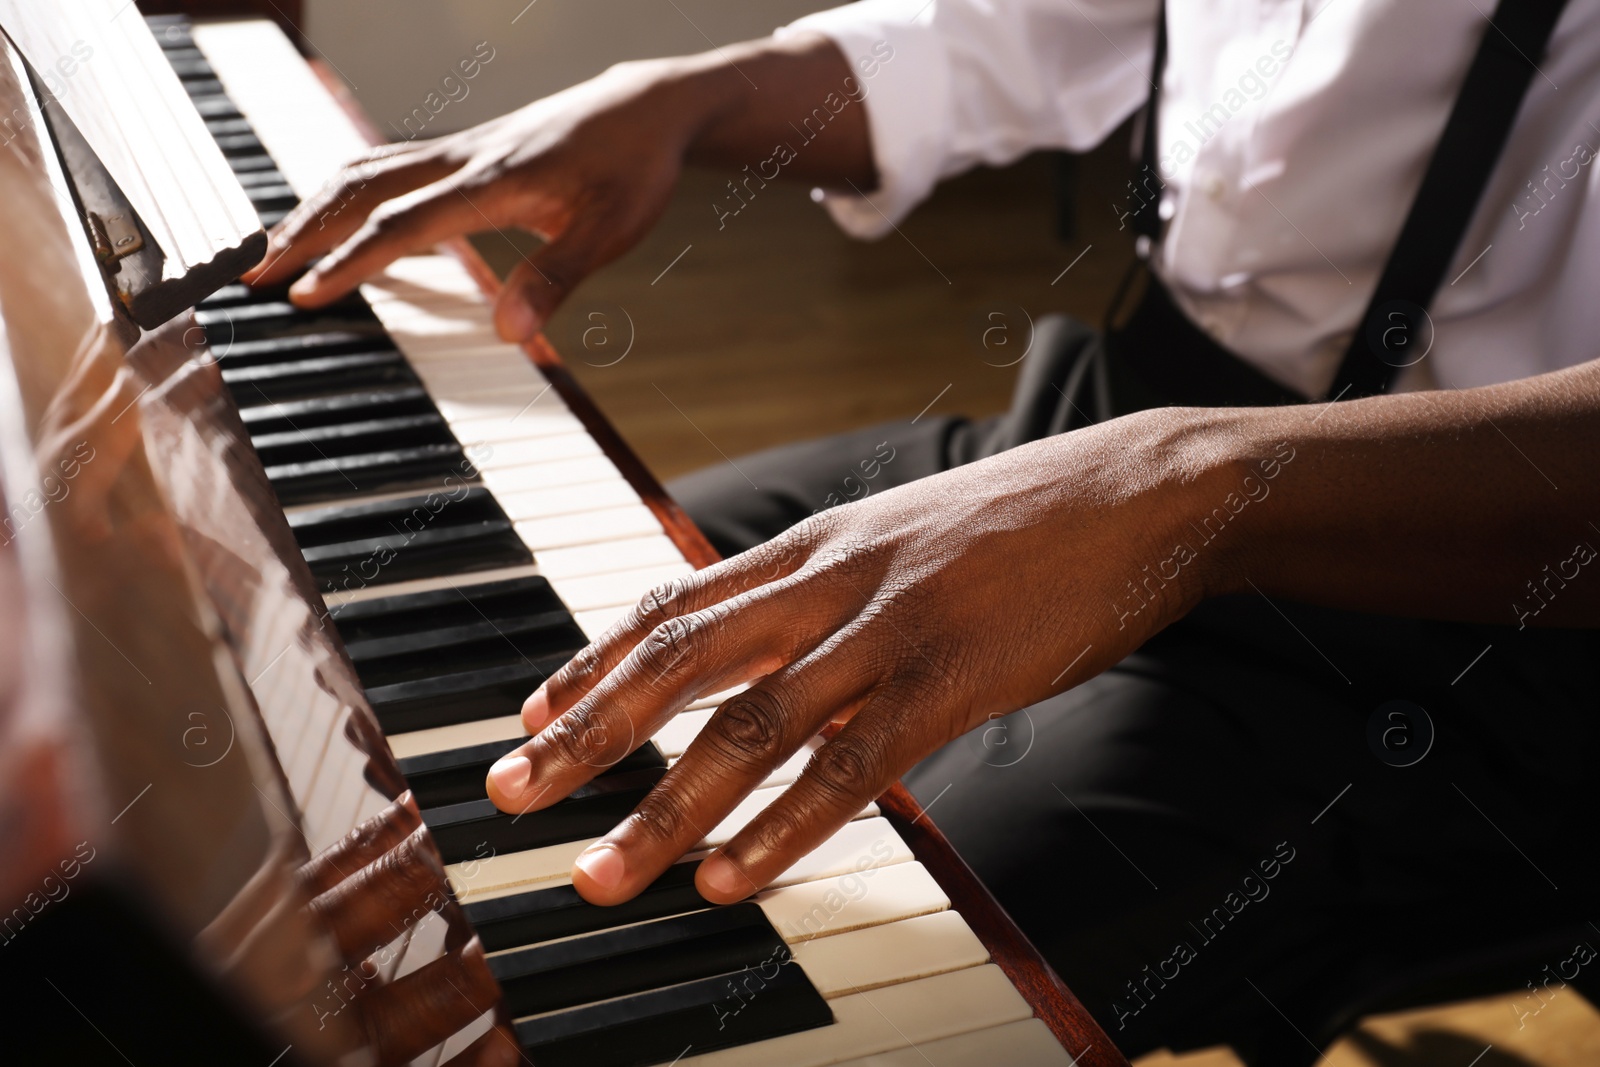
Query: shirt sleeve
point(949, 84)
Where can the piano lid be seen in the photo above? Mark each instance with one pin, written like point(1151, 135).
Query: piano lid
point(115, 102)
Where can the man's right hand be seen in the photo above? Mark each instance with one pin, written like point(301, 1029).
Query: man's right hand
point(589, 170)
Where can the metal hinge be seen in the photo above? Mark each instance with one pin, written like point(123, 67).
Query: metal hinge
point(115, 236)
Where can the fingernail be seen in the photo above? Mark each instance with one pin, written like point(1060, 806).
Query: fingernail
point(536, 712)
point(723, 878)
point(306, 285)
point(510, 775)
point(604, 866)
point(519, 321)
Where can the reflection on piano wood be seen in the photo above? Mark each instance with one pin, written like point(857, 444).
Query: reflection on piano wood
point(462, 519)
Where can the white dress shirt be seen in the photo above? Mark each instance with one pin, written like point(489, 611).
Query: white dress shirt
point(1294, 135)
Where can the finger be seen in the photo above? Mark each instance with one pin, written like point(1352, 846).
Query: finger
point(385, 898)
point(670, 600)
point(847, 773)
point(338, 209)
point(749, 736)
point(543, 280)
point(371, 839)
point(419, 1010)
point(708, 650)
point(398, 227)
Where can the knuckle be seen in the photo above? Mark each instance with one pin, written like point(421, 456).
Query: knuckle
point(846, 769)
point(751, 724)
point(576, 738)
point(662, 817)
point(662, 602)
point(669, 649)
point(777, 830)
point(580, 670)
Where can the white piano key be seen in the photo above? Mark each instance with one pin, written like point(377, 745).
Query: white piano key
point(504, 454)
point(274, 88)
point(426, 585)
point(588, 527)
point(580, 471)
point(1025, 1043)
point(862, 845)
point(534, 504)
point(537, 866)
point(418, 276)
point(456, 735)
point(580, 561)
point(675, 734)
point(596, 622)
point(466, 380)
point(908, 1015)
point(852, 901)
point(430, 349)
point(528, 413)
point(619, 588)
point(895, 952)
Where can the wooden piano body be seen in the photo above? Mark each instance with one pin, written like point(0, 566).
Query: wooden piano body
point(209, 717)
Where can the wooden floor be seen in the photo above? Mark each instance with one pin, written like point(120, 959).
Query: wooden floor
point(708, 342)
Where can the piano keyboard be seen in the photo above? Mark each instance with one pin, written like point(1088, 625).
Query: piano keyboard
point(469, 536)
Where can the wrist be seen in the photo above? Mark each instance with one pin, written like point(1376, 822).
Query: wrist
point(1221, 472)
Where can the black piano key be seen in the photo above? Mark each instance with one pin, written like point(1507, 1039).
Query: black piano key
point(340, 476)
point(190, 64)
point(277, 382)
point(252, 178)
point(171, 31)
point(241, 165)
point(422, 536)
point(468, 696)
point(465, 646)
point(456, 775)
point(270, 317)
point(228, 125)
point(477, 828)
point(240, 352)
point(662, 1025)
point(271, 197)
point(547, 914)
point(332, 409)
point(203, 87)
point(357, 437)
point(271, 217)
point(410, 613)
point(635, 959)
point(214, 107)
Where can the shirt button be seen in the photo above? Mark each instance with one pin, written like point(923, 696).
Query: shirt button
point(1213, 187)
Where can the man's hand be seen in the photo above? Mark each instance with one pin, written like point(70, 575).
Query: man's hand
point(911, 617)
point(589, 170)
point(918, 614)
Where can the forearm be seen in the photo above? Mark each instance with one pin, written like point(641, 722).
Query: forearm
point(747, 105)
point(1479, 505)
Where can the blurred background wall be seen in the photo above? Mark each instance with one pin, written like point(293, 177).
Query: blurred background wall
point(392, 49)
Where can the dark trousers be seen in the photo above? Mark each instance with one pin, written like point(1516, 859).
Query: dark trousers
point(1239, 825)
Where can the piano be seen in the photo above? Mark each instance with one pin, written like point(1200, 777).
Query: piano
point(277, 583)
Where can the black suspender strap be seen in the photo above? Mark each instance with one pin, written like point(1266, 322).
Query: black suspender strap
point(1479, 125)
point(1147, 224)
point(1480, 122)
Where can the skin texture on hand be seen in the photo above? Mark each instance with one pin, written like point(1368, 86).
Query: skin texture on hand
point(589, 170)
point(915, 615)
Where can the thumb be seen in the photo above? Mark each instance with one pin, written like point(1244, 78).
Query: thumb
point(536, 288)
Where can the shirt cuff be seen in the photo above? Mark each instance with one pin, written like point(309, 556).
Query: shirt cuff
point(901, 75)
